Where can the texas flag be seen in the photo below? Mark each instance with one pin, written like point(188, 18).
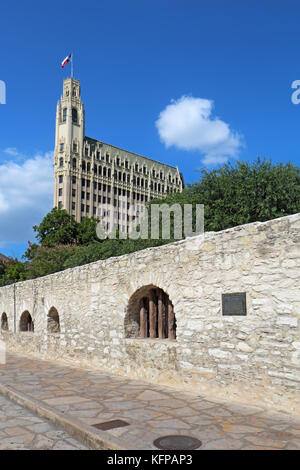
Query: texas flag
point(66, 60)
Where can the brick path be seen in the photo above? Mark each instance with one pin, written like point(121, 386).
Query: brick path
point(22, 430)
point(152, 411)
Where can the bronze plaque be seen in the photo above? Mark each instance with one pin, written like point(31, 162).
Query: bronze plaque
point(234, 304)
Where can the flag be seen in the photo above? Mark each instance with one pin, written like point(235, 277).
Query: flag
point(66, 60)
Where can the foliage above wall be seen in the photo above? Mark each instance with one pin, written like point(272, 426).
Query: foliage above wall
point(232, 195)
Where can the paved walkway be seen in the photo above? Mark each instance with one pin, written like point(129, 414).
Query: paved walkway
point(151, 411)
point(22, 430)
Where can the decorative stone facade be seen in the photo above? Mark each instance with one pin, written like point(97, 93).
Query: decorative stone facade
point(97, 312)
point(92, 178)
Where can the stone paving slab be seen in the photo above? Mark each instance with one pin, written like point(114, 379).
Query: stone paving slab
point(93, 397)
point(22, 430)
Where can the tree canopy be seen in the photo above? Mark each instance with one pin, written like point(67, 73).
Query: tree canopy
point(232, 195)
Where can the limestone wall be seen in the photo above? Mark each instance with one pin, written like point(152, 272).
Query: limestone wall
point(253, 358)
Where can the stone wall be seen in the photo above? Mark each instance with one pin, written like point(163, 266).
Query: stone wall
point(254, 358)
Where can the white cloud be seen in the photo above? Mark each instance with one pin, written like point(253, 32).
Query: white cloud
point(187, 123)
point(26, 190)
point(11, 151)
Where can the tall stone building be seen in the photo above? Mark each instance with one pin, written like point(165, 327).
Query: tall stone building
point(96, 179)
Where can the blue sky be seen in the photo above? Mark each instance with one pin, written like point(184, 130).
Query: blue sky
point(185, 82)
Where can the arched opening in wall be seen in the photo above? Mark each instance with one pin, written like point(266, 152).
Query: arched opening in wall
point(150, 314)
point(26, 323)
point(4, 322)
point(53, 325)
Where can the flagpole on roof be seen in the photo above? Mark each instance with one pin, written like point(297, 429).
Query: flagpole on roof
point(72, 65)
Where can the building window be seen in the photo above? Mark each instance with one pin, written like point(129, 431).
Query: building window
point(61, 162)
point(74, 147)
point(74, 115)
point(99, 186)
point(86, 151)
point(87, 209)
point(60, 192)
point(74, 162)
point(53, 325)
point(88, 183)
point(73, 192)
point(61, 147)
point(107, 158)
point(73, 179)
point(26, 322)
point(82, 194)
point(60, 179)
point(88, 167)
point(73, 206)
point(59, 204)
point(4, 322)
point(87, 196)
point(150, 314)
point(64, 115)
point(82, 207)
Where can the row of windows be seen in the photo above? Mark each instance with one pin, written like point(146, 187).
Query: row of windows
point(116, 203)
point(117, 191)
point(74, 115)
point(103, 171)
point(62, 147)
point(26, 323)
point(153, 186)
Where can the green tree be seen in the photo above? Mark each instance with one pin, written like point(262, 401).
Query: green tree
point(31, 251)
point(86, 232)
point(15, 271)
point(48, 260)
point(241, 193)
point(57, 228)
